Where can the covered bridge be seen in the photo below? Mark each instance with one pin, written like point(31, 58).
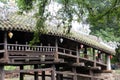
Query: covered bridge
point(58, 55)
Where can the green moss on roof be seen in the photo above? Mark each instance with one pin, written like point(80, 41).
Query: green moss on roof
point(27, 23)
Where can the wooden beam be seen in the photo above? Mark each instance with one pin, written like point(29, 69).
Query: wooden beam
point(32, 73)
point(2, 51)
point(27, 70)
point(96, 68)
point(78, 74)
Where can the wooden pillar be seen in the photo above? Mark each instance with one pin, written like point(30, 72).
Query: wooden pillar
point(56, 45)
point(77, 53)
point(75, 74)
point(85, 53)
point(91, 73)
point(43, 75)
point(5, 47)
point(108, 62)
point(2, 74)
point(21, 74)
point(53, 73)
point(59, 77)
point(36, 73)
point(94, 57)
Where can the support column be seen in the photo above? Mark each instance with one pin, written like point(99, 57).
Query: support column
point(91, 73)
point(75, 74)
point(36, 73)
point(21, 74)
point(94, 57)
point(2, 74)
point(5, 47)
point(108, 62)
point(56, 45)
point(59, 77)
point(77, 53)
point(43, 75)
point(53, 73)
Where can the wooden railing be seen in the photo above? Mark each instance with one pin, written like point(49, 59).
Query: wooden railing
point(67, 51)
point(16, 47)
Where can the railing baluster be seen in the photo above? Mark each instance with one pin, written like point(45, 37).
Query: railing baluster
point(8, 47)
point(12, 48)
point(22, 48)
point(38, 49)
point(16, 47)
point(43, 49)
point(19, 48)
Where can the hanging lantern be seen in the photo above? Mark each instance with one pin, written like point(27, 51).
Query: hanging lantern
point(81, 46)
point(61, 40)
point(111, 57)
point(96, 55)
point(10, 34)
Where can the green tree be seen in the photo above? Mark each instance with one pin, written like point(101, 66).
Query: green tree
point(106, 22)
point(102, 15)
point(3, 1)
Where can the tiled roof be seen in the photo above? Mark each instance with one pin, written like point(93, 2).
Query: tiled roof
point(27, 23)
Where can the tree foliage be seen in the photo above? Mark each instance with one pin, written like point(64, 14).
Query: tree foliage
point(105, 22)
point(102, 15)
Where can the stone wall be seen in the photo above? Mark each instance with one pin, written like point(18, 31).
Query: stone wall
point(109, 75)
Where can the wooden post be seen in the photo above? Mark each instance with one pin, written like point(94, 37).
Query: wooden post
point(74, 71)
point(94, 57)
point(77, 53)
point(43, 75)
point(53, 73)
point(91, 73)
point(59, 77)
point(36, 73)
point(56, 54)
point(5, 47)
point(21, 74)
point(108, 63)
point(2, 74)
point(85, 53)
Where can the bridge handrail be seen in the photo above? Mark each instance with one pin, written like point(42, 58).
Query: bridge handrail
point(18, 47)
point(69, 51)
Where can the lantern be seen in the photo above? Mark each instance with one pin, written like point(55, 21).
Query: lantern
point(111, 57)
point(10, 34)
point(81, 46)
point(96, 55)
point(61, 40)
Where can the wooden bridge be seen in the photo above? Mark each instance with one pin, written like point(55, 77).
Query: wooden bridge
point(59, 61)
point(76, 57)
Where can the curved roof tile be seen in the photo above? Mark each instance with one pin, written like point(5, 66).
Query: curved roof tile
point(27, 23)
